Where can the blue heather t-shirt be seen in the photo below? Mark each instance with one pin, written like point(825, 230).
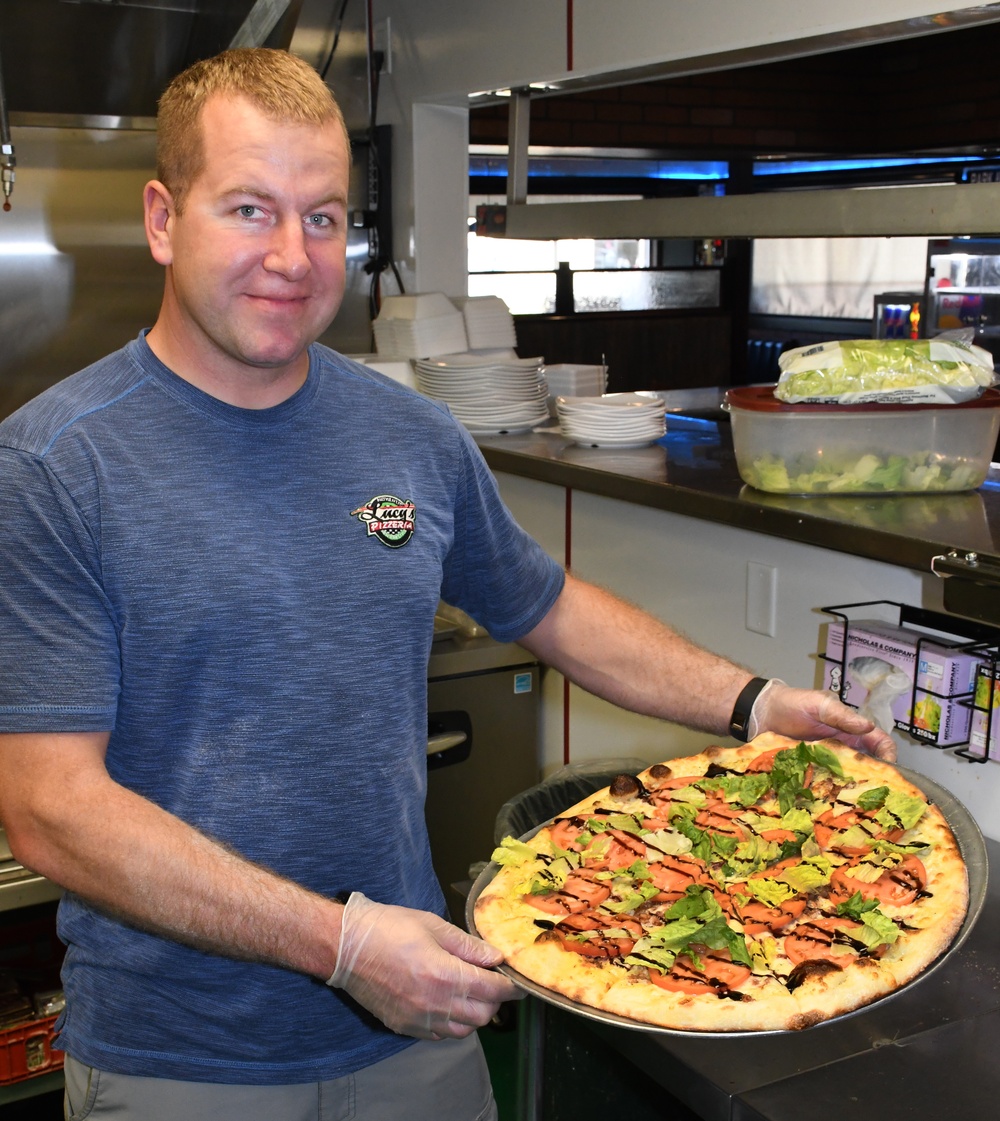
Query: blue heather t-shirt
point(245, 599)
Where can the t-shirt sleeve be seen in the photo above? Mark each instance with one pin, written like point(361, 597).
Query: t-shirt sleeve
point(495, 572)
point(59, 649)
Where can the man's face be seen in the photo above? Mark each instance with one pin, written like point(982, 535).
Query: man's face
point(257, 257)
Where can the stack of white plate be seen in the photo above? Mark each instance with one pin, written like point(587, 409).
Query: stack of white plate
point(416, 326)
point(488, 395)
point(616, 420)
point(488, 322)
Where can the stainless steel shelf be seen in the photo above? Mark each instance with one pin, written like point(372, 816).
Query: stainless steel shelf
point(969, 208)
point(20, 887)
point(26, 890)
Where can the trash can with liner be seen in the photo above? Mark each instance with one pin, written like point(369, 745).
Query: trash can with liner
point(565, 1069)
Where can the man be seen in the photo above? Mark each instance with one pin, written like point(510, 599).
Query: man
point(212, 680)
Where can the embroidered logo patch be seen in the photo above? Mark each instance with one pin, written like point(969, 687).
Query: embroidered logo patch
point(388, 518)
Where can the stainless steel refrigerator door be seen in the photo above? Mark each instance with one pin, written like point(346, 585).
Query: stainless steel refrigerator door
point(463, 797)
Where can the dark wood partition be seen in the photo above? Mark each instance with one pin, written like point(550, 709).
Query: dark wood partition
point(643, 349)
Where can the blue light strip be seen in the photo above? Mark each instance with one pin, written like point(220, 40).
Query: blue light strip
point(798, 167)
point(575, 168)
point(694, 170)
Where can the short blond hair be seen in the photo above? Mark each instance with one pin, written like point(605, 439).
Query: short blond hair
point(278, 84)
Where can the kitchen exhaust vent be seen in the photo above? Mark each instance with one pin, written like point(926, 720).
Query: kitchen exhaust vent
point(81, 60)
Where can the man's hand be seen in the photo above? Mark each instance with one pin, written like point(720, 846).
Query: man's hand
point(418, 974)
point(815, 714)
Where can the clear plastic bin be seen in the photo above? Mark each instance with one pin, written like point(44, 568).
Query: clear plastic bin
point(861, 449)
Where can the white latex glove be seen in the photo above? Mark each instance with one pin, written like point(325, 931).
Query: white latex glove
point(418, 974)
point(815, 714)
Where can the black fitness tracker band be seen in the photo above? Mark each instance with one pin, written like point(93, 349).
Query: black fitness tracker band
point(739, 722)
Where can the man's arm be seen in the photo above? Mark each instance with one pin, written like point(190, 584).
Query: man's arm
point(67, 819)
point(619, 652)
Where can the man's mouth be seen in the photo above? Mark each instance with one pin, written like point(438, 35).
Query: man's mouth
point(278, 297)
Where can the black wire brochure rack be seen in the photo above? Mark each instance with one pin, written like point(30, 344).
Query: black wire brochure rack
point(972, 737)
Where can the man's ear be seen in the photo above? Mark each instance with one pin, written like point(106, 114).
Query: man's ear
point(158, 211)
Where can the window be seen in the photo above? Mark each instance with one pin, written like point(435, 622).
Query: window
point(835, 278)
point(523, 273)
point(608, 275)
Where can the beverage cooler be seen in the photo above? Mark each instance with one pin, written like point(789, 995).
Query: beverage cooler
point(962, 289)
point(897, 315)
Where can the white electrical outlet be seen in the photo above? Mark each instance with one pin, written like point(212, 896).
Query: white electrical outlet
point(382, 41)
point(762, 586)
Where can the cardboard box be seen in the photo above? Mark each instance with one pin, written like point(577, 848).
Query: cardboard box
point(882, 678)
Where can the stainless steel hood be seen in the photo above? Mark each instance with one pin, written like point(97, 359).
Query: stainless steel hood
point(107, 61)
point(83, 77)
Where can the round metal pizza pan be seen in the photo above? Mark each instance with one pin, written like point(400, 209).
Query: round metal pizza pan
point(970, 843)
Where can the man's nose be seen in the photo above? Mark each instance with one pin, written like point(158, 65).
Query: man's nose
point(287, 250)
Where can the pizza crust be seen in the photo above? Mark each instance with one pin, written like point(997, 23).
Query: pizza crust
point(766, 1002)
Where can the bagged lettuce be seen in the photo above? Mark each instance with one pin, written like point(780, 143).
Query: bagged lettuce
point(939, 371)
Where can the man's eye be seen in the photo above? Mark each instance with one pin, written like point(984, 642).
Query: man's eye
point(319, 220)
point(247, 211)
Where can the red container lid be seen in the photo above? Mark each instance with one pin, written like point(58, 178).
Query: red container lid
point(761, 399)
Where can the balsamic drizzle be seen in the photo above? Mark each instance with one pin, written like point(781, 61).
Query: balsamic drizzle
point(805, 969)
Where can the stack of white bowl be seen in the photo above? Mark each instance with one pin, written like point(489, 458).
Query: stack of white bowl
point(615, 420)
point(488, 322)
point(399, 369)
point(566, 379)
point(416, 326)
point(488, 394)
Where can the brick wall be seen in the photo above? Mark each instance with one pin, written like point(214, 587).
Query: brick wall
point(937, 92)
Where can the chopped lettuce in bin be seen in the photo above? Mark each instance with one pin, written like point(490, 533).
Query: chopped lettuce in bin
point(925, 471)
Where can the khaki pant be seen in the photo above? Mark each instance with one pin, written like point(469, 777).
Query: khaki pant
point(429, 1081)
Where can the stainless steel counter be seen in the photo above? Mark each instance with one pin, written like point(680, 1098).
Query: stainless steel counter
point(693, 472)
point(460, 654)
point(927, 1052)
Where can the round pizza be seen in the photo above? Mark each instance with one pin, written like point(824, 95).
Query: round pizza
point(767, 887)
